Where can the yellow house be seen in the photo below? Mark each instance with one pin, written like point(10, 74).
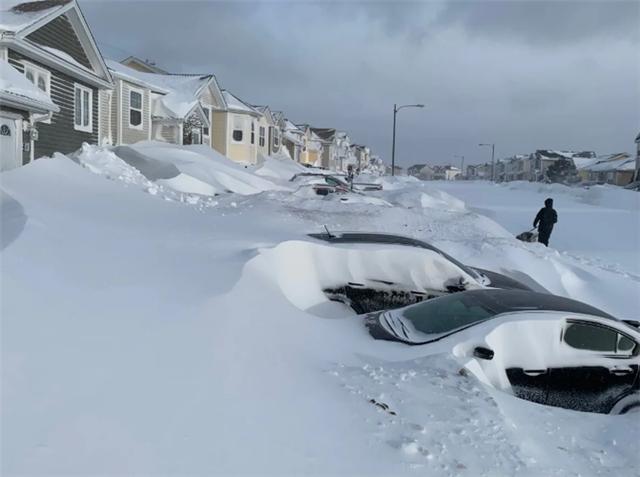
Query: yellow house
point(269, 134)
point(235, 130)
point(312, 147)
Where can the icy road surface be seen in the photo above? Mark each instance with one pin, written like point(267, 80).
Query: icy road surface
point(150, 328)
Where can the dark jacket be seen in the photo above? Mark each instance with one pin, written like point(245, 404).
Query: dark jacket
point(546, 217)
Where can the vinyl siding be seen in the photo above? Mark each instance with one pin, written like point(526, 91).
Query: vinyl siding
point(219, 131)
point(59, 34)
point(104, 133)
point(60, 135)
point(131, 135)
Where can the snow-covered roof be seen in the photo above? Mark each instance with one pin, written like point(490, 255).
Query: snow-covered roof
point(623, 164)
point(15, 15)
point(236, 104)
point(16, 88)
point(180, 92)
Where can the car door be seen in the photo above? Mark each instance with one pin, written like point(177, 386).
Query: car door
point(599, 370)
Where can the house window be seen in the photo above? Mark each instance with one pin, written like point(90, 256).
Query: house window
point(261, 137)
point(207, 113)
point(238, 124)
point(135, 109)
point(83, 107)
point(253, 132)
point(38, 76)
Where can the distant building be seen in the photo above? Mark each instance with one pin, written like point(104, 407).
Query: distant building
point(415, 169)
point(543, 158)
point(616, 169)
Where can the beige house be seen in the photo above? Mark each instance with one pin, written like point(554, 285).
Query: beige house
point(269, 134)
point(173, 108)
point(292, 139)
point(235, 130)
point(312, 147)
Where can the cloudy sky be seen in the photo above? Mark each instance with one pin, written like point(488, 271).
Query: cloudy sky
point(522, 74)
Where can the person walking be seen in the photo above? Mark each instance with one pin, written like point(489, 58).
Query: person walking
point(545, 219)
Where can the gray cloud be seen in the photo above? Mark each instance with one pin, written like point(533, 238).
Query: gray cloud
point(480, 67)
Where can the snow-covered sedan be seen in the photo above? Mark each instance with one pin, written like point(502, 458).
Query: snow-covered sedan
point(540, 347)
point(384, 289)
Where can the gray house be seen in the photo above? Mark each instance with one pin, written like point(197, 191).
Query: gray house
point(49, 42)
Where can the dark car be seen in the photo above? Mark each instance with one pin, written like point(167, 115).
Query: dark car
point(540, 347)
point(382, 293)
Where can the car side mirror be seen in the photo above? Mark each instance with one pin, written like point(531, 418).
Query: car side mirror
point(483, 353)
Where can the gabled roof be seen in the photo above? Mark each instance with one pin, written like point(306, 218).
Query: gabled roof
point(180, 92)
point(16, 15)
point(142, 65)
point(327, 134)
point(18, 19)
point(17, 91)
point(623, 164)
point(236, 105)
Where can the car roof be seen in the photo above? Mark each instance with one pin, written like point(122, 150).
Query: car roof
point(510, 301)
point(367, 237)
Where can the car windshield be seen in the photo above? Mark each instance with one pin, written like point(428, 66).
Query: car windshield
point(448, 313)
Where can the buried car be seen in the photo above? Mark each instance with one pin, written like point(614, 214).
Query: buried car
point(383, 292)
point(539, 347)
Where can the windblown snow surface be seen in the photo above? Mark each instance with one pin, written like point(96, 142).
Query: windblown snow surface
point(159, 326)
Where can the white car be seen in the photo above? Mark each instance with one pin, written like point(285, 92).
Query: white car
point(540, 347)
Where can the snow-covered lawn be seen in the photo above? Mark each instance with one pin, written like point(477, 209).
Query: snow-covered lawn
point(150, 327)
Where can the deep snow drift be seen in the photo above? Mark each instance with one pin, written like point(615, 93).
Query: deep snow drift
point(149, 327)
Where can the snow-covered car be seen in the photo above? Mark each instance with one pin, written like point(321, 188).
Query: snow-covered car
point(539, 347)
point(321, 183)
point(383, 291)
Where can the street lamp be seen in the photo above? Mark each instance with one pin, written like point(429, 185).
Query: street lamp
point(397, 108)
point(493, 153)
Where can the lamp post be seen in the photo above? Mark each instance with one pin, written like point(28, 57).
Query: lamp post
point(461, 164)
point(397, 108)
point(493, 152)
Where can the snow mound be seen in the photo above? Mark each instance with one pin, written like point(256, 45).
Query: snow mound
point(280, 167)
point(302, 270)
point(209, 166)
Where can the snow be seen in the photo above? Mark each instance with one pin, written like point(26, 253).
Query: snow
point(65, 56)
point(236, 104)
point(14, 21)
point(146, 334)
point(179, 92)
point(14, 83)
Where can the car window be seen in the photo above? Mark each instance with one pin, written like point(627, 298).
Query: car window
point(447, 313)
point(625, 345)
point(591, 337)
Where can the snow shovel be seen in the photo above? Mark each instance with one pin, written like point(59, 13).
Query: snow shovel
point(528, 236)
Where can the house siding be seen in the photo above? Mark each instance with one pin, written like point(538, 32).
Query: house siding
point(60, 135)
point(104, 112)
point(219, 131)
point(59, 34)
point(132, 135)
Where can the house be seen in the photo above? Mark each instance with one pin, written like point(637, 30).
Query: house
point(361, 154)
point(343, 150)
point(426, 173)
point(175, 108)
point(329, 139)
point(451, 173)
point(514, 168)
point(268, 131)
point(235, 130)
point(292, 139)
point(312, 149)
point(49, 42)
point(616, 169)
point(479, 171)
point(543, 158)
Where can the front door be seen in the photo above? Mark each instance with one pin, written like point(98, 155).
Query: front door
point(10, 143)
